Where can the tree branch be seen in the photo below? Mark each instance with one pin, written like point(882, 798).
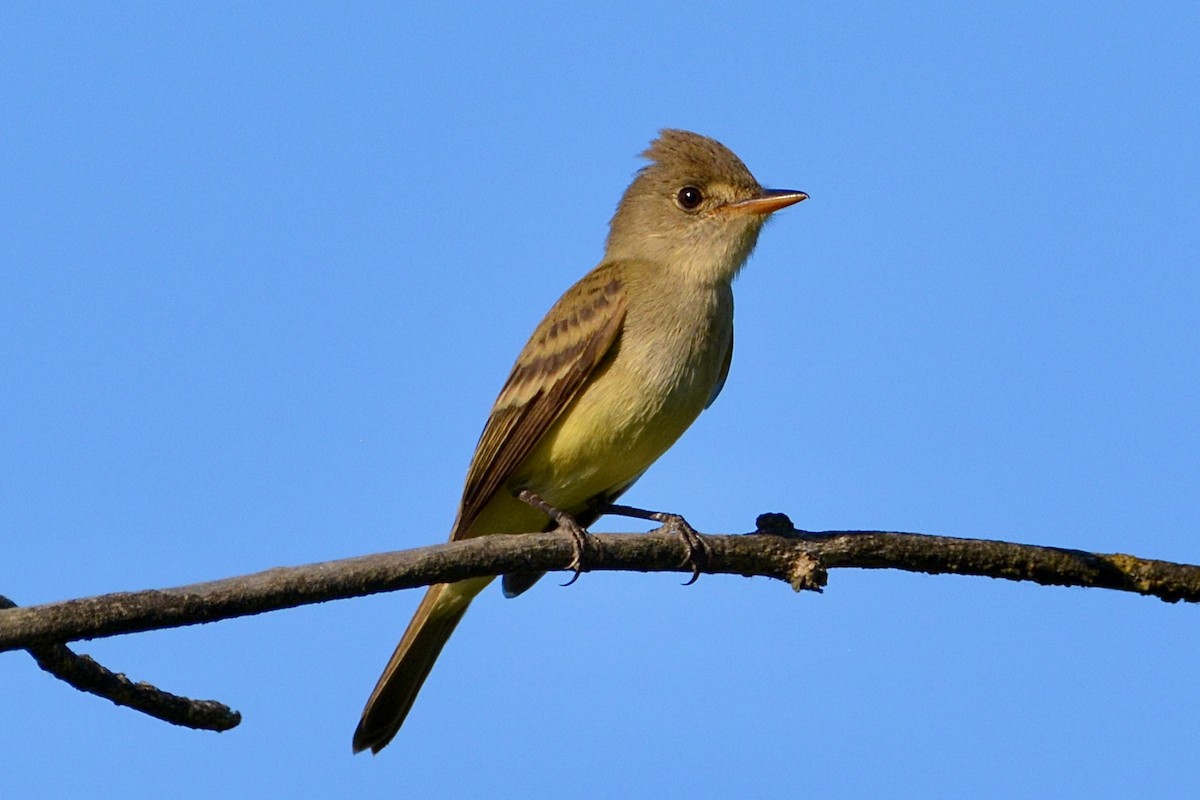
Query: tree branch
point(776, 551)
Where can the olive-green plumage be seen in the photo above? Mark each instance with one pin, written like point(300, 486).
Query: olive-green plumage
point(621, 365)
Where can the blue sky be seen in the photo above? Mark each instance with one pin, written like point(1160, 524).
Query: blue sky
point(264, 268)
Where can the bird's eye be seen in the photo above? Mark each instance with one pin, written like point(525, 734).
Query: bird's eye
point(689, 198)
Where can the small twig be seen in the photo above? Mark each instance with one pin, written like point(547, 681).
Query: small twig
point(82, 672)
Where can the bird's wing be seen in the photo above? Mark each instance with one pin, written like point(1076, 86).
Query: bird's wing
point(575, 338)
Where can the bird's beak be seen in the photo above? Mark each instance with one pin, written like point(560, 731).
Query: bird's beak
point(768, 201)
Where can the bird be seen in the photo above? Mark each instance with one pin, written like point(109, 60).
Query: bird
point(620, 366)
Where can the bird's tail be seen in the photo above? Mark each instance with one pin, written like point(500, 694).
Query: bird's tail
point(434, 621)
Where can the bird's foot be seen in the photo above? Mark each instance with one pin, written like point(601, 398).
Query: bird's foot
point(696, 551)
point(581, 540)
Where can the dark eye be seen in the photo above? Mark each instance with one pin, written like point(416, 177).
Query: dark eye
point(689, 197)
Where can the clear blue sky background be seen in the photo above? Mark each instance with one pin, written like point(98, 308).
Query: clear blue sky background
point(264, 268)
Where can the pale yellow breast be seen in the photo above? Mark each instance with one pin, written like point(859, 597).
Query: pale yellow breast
point(668, 361)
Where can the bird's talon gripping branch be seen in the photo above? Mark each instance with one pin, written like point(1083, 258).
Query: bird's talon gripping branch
point(697, 552)
point(581, 541)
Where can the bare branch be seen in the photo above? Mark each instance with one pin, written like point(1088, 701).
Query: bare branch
point(778, 551)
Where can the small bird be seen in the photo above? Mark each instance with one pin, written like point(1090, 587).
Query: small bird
point(621, 365)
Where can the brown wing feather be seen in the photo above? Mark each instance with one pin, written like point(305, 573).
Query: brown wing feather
point(568, 345)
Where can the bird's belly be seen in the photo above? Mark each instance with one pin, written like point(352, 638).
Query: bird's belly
point(614, 430)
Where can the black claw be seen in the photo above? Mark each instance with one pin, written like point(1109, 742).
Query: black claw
point(696, 552)
point(579, 543)
point(580, 538)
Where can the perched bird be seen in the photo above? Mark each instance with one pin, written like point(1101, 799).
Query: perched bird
point(618, 369)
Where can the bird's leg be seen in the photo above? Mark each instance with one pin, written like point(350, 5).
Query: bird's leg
point(580, 540)
point(696, 551)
